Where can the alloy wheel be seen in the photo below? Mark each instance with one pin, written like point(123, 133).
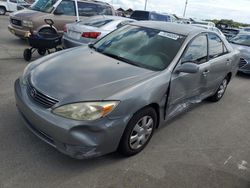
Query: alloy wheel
point(141, 132)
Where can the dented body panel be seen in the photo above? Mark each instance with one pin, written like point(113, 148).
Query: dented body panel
point(97, 77)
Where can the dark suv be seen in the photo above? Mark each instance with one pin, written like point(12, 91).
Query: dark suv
point(148, 15)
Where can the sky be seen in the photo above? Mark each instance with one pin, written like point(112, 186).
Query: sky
point(238, 10)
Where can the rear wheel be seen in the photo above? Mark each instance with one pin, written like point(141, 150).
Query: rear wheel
point(2, 10)
point(138, 132)
point(220, 92)
point(27, 54)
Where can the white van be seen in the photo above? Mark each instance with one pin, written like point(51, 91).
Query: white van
point(11, 5)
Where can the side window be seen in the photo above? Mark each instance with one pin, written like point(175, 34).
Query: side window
point(216, 46)
point(87, 9)
point(196, 51)
point(13, 1)
point(67, 8)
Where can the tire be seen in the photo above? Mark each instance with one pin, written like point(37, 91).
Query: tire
point(220, 91)
point(2, 11)
point(138, 132)
point(27, 54)
point(41, 52)
point(47, 30)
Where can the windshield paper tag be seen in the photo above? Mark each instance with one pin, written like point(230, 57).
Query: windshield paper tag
point(169, 35)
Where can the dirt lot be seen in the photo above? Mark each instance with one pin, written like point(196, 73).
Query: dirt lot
point(208, 146)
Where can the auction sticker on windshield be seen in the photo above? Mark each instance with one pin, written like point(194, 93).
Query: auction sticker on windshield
point(169, 35)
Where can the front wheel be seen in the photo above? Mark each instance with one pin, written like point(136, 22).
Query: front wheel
point(138, 132)
point(220, 91)
point(2, 11)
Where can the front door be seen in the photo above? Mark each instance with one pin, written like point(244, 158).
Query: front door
point(187, 88)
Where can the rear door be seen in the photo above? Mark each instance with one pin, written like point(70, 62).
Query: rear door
point(186, 88)
point(219, 60)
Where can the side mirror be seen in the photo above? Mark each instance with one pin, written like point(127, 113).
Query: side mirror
point(49, 22)
point(187, 68)
point(58, 11)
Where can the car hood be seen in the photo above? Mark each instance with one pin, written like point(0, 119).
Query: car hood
point(244, 50)
point(27, 14)
point(83, 75)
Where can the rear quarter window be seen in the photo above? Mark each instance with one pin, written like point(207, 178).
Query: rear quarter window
point(87, 9)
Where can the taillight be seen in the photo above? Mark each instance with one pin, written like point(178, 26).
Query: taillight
point(65, 29)
point(92, 35)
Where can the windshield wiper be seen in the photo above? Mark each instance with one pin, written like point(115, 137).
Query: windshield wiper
point(121, 59)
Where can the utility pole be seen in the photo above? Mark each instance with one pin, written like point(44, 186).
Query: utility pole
point(146, 1)
point(184, 14)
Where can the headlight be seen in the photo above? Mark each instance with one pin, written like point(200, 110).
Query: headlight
point(86, 110)
point(27, 23)
point(25, 74)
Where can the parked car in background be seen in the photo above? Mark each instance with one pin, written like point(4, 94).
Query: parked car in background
point(151, 15)
point(242, 43)
point(11, 5)
point(211, 28)
point(24, 5)
point(91, 29)
point(245, 29)
point(60, 11)
point(230, 32)
point(93, 100)
point(201, 22)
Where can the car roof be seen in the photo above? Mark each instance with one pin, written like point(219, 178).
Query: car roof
point(111, 17)
point(94, 1)
point(181, 29)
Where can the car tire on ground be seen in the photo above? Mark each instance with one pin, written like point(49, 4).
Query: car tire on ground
point(2, 10)
point(138, 132)
point(27, 54)
point(220, 91)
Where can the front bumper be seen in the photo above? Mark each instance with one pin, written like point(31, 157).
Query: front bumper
point(20, 32)
point(77, 139)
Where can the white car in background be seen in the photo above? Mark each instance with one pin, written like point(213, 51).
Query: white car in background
point(91, 29)
point(212, 28)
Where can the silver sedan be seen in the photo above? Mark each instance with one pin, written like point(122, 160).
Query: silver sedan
point(93, 100)
point(91, 29)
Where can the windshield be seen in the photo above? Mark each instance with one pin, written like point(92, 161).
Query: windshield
point(43, 5)
point(143, 47)
point(241, 39)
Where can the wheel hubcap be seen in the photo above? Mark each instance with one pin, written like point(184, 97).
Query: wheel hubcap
point(222, 88)
point(141, 132)
point(1, 11)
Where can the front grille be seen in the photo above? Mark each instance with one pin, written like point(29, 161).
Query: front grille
point(242, 63)
point(39, 97)
point(16, 22)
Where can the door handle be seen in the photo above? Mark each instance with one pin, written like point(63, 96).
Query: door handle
point(205, 72)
